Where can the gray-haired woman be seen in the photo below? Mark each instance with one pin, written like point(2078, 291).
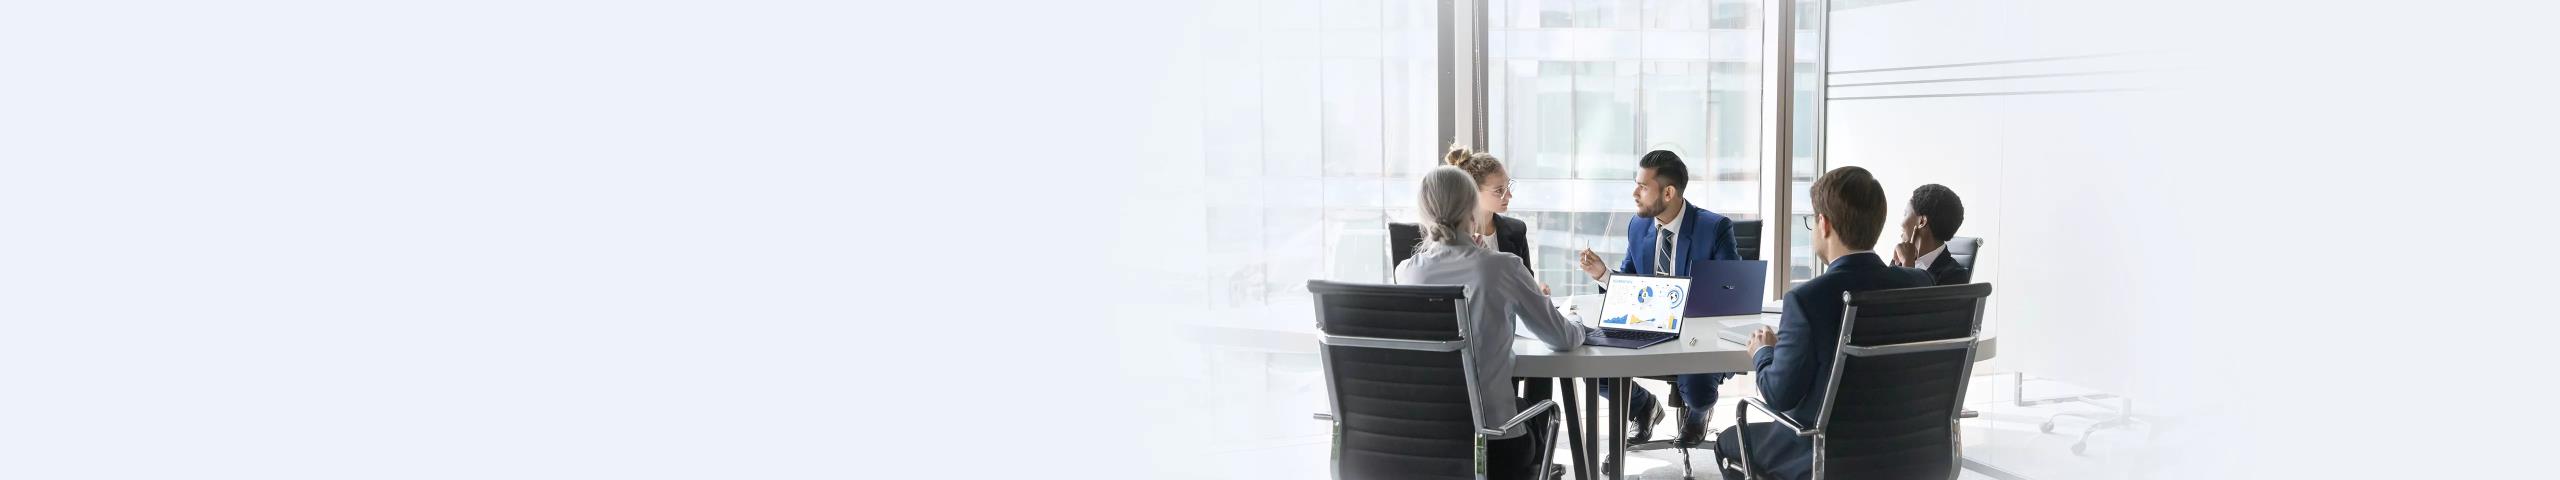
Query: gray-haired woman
point(1500, 289)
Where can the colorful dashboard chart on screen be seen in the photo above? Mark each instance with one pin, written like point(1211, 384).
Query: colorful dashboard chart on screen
point(1644, 302)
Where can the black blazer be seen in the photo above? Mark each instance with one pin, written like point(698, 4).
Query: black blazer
point(1510, 235)
point(1948, 271)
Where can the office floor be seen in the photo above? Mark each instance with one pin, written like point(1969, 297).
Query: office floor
point(1287, 444)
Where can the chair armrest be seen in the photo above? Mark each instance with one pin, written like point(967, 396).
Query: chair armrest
point(1324, 417)
point(1968, 413)
point(1742, 443)
point(1534, 409)
point(1748, 404)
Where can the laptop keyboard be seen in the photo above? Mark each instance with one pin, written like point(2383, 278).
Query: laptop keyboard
point(1637, 335)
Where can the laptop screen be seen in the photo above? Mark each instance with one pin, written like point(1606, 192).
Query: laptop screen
point(1642, 302)
point(1726, 287)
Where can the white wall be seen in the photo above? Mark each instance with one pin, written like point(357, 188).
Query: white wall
point(2042, 175)
point(2288, 231)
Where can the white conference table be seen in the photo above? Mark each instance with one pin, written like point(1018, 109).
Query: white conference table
point(1699, 349)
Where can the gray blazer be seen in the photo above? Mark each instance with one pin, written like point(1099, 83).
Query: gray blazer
point(1499, 289)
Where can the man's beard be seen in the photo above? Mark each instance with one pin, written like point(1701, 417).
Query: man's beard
point(1653, 210)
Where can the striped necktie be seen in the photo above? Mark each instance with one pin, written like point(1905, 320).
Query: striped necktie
point(1662, 259)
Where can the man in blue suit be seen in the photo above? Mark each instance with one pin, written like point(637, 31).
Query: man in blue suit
point(1667, 235)
point(1793, 363)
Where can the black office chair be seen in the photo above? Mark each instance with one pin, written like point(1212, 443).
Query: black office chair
point(1746, 239)
point(1402, 387)
point(1401, 238)
point(1896, 389)
point(1964, 248)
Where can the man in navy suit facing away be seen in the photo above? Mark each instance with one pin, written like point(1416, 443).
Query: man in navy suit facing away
point(1792, 363)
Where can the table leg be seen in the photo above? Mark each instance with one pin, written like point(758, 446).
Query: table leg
point(1618, 393)
point(1573, 418)
point(1592, 432)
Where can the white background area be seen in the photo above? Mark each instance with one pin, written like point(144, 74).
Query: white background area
point(782, 239)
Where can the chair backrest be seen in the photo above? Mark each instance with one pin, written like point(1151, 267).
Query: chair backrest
point(1746, 239)
point(1396, 367)
point(1964, 248)
point(1898, 381)
point(1401, 238)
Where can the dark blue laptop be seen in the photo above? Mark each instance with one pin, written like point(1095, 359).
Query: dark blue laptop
point(1726, 287)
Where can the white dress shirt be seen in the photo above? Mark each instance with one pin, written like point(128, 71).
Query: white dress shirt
point(1659, 227)
point(1923, 262)
point(1498, 290)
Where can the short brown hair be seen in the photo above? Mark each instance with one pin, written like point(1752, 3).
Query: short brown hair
point(1854, 202)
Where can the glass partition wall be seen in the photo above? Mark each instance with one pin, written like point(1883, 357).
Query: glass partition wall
point(1578, 90)
point(1321, 115)
point(1318, 116)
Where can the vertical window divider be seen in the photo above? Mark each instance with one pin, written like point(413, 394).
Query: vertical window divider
point(1778, 62)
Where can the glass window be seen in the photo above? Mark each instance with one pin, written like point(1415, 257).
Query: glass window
point(1312, 110)
point(1353, 125)
point(1604, 119)
point(1579, 90)
point(1806, 137)
point(1552, 13)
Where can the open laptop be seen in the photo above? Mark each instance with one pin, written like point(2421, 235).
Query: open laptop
point(1640, 311)
point(1726, 287)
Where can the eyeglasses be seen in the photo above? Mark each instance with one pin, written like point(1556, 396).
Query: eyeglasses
point(1808, 223)
point(1503, 190)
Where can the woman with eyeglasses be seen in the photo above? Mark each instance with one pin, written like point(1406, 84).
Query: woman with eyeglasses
point(1493, 198)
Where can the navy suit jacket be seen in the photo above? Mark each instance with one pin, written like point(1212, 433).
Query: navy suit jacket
point(1793, 372)
point(1716, 245)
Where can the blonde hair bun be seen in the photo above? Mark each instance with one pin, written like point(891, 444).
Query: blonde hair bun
point(1458, 155)
point(1477, 164)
